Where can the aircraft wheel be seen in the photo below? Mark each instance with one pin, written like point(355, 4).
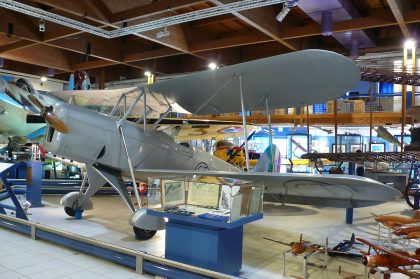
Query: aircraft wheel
point(412, 194)
point(70, 211)
point(143, 234)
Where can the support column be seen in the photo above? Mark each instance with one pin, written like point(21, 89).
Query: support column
point(335, 127)
point(34, 183)
point(270, 132)
point(403, 101)
point(413, 90)
point(244, 122)
point(307, 130)
point(370, 116)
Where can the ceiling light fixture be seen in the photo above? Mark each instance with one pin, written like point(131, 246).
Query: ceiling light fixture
point(43, 79)
point(409, 43)
point(213, 66)
point(148, 73)
point(41, 25)
point(287, 6)
point(164, 33)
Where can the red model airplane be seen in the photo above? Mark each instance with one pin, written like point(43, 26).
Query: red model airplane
point(392, 221)
point(301, 246)
point(396, 261)
point(410, 232)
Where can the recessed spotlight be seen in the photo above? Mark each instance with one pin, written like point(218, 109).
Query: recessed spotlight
point(44, 79)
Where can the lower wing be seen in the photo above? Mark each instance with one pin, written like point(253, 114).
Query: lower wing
point(342, 191)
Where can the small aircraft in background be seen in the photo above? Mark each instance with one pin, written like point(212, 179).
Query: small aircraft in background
point(301, 246)
point(344, 248)
point(341, 249)
point(409, 231)
point(395, 261)
point(393, 221)
point(384, 134)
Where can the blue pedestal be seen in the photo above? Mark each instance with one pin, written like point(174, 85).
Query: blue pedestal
point(78, 214)
point(34, 187)
point(205, 243)
point(207, 247)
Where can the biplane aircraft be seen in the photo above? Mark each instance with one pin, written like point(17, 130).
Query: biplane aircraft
point(113, 147)
point(395, 261)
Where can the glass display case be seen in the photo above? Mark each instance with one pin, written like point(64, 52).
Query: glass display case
point(212, 198)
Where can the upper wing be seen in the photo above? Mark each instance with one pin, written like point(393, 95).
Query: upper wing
point(288, 80)
point(322, 190)
point(107, 99)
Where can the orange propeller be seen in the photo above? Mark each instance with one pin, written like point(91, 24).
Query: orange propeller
point(48, 115)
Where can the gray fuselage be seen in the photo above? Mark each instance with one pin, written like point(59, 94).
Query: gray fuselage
point(94, 138)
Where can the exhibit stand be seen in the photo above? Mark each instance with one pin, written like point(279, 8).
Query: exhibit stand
point(9, 194)
point(205, 220)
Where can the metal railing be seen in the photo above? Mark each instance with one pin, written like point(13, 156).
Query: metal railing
point(34, 230)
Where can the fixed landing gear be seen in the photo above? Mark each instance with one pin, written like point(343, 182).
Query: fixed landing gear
point(71, 203)
point(142, 234)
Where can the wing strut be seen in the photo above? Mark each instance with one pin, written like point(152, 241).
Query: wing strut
point(130, 166)
point(163, 115)
point(122, 97)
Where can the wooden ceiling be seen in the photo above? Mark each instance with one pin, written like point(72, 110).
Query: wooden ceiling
point(226, 39)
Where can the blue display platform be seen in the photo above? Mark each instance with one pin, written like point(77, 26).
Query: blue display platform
point(205, 243)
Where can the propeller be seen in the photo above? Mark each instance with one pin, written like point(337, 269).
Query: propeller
point(231, 156)
point(48, 114)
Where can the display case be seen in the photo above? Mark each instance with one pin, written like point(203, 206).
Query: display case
point(211, 198)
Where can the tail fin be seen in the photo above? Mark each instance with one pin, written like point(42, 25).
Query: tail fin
point(265, 163)
point(353, 238)
point(417, 215)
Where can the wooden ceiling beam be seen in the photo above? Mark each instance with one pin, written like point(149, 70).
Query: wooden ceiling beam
point(23, 27)
point(397, 8)
point(15, 46)
point(381, 18)
point(40, 55)
point(213, 20)
point(152, 9)
point(150, 54)
point(100, 48)
point(77, 8)
point(248, 38)
point(261, 20)
point(377, 19)
point(92, 64)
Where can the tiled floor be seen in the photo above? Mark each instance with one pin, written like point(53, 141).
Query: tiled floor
point(261, 258)
point(22, 257)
